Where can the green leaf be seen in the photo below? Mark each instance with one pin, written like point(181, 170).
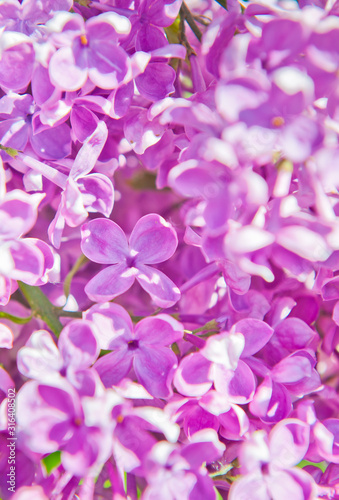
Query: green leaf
point(52, 461)
point(41, 307)
point(107, 484)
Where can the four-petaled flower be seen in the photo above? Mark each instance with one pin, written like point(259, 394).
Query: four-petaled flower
point(153, 240)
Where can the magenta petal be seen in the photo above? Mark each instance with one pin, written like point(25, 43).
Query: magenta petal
point(257, 333)
point(39, 357)
point(109, 283)
point(235, 423)
point(6, 337)
point(192, 376)
point(63, 71)
point(18, 213)
point(197, 419)
point(162, 290)
point(72, 207)
point(160, 330)
point(108, 66)
point(97, 192)
point(111, 321)
point(17, 60)
point(239, 386)
point(156, 82)
point(271, 402)
point(78, 344)
point(104, 242)
point(289, 441)
point(53, 143)
point(326, 436)
point(5, 290)
point(249, 487)
point(83, 122)
point(154, 239)
point(90, 151)
point(28, 260)
point(113, 367)
point(154, 370)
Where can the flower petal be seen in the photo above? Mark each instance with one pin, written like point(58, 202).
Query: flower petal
point(154, 370)
point(162, 290)
point(6, 337)
point(104, 242)
point(113, 367)
point(154, 239)
point(111, 321)
point(192, 376)
point(109, 283)
point(158, 330)
point(63, 71)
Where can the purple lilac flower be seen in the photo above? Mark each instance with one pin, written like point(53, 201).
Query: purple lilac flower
point(268, 464)
point(153, 240)
point(89, 50)
point(146, 347)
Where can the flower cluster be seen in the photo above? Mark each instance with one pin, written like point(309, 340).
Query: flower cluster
point(169, 249)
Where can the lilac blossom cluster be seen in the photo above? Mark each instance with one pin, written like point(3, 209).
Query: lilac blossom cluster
point(169, 249)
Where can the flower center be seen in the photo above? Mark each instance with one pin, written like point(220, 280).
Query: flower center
point(278, 121)
point(83, 40)
point(133, 345)
point(264, 469)
point(130, 261)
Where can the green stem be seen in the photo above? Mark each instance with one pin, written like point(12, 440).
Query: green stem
point(15, 319)
point(185, 14)
point(68, 314)
point(41, 307)
point(68, 280)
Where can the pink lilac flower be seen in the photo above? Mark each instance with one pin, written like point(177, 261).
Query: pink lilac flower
point(178, 471)
point(77, 350)
point(146, 347)
point(268, 464)
point(24, 259)
point(153, 240)
point(89, 50)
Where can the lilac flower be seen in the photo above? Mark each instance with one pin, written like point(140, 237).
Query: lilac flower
point(84, 192)
point(152, 240)
point(29, 15)
point(24, 259)
point(219, 362)
point(52, 416)
point(77, 350)
point(268, 464)
point(179, 472)
point(291, 378)
point(89, 50)
point(21, 125)
point(146, 348)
